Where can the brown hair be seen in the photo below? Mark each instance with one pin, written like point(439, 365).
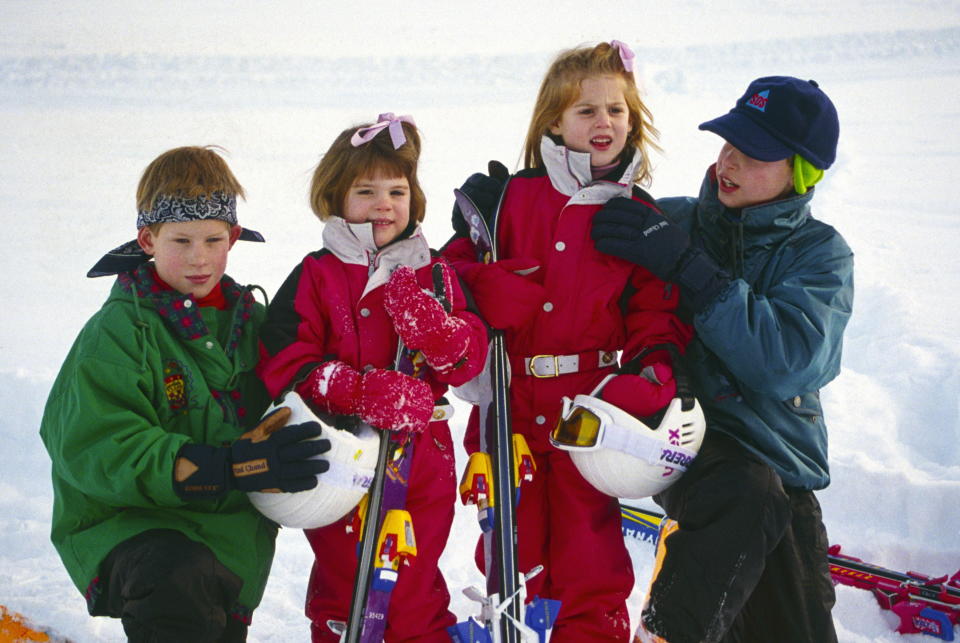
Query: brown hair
point(561, 87)
point(343, 164)
point(187, 172)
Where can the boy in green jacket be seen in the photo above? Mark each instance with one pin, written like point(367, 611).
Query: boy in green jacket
point(144, 423)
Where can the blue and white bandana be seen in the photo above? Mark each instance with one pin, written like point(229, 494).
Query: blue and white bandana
point(171, 209)
point(174, 209)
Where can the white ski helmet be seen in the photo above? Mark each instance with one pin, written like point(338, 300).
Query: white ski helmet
point(622, 456)
point(339, 489)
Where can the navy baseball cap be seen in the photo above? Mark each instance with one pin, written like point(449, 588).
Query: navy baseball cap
point(779, 116)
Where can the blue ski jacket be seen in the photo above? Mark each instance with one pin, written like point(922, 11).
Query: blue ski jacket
point(773, 337)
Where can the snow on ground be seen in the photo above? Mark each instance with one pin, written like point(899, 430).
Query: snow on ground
point(91, 92)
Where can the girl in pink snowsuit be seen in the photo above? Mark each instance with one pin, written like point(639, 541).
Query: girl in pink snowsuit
point(566, 310)
point(331, 335)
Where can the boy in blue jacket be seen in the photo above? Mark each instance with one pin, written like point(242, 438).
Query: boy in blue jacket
point(769, 290)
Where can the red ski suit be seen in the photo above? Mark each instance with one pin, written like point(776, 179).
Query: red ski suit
point(592, 302)
point(331, 307)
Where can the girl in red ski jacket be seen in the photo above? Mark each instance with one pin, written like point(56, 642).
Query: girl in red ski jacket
point(331, 334)
point(566, 310)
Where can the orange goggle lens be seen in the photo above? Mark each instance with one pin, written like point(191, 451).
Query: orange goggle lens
point(578, 428)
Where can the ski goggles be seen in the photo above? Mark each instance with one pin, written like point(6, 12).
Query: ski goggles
point(579, 427)
point(584, 421)
point(588, 423)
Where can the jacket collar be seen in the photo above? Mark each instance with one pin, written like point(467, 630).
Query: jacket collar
point(353, 243)
point(730, 235)
point(570, 174)
point(772, 218)
point(181, 312)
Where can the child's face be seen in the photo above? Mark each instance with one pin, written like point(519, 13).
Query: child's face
point(382, 201)
point(190, 256)
point(744, 181)
point(597, 121)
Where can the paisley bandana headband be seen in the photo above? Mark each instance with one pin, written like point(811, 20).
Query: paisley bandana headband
point(171, 209)
point(174, 209)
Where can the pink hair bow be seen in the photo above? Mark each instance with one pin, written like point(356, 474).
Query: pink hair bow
point(384, 121)
point(626, 54)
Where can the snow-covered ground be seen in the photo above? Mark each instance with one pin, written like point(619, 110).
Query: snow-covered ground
point(91, 91)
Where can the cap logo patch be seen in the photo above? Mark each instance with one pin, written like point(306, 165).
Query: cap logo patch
point(759, 100)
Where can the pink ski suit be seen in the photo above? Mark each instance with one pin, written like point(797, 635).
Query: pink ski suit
point(591, 306)
point(331, 307)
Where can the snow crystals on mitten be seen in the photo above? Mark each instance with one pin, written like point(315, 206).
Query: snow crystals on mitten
point(422, 323)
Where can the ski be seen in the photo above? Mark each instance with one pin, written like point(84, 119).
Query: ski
point(923, 604)
point(384, 543)
point(489, 481)
point(387, 537)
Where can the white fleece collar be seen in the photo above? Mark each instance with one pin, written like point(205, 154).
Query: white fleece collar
point(570, 173)
point(353, 243)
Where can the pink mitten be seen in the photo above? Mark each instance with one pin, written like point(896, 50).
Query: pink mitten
point(333, 386)
point(505, 293)
point(642, 395)
point(395, 401)
point(384, 399)
point(422, 323)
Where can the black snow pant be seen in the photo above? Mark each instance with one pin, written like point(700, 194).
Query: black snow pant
point(741, 558)
point(165, 587)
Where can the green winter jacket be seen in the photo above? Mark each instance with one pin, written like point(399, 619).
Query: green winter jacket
point(149, 373)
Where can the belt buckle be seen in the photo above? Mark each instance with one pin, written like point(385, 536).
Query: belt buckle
point(556, 366)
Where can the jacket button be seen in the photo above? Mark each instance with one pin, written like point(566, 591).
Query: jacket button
point(548, 307)
point(560, 245)
point(364, 312)
point(187, 303)
point(540, 419)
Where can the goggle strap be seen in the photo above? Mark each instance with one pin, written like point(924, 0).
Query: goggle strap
point(645, 447)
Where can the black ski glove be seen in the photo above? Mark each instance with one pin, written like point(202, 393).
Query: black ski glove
point(485, 193)
point(270, 457)
point(638, 233)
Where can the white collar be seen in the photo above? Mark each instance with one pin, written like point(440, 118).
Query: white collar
point(353, 243)
point(570, 173)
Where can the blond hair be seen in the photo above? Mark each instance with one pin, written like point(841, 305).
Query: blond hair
point(343, 164)
point(561, 87)
point(186, 172)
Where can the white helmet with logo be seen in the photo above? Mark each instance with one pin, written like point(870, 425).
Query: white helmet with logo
point(623, 456)
point(352, 461)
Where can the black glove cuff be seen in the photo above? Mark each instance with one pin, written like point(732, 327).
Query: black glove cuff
point(700, 279)
point(211, 478)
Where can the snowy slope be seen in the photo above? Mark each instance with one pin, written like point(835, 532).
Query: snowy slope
point(90, 92)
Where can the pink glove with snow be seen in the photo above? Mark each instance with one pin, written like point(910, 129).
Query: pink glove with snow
point(381, 398)
point(506, 291)
point(421, 321)
point(642, 395)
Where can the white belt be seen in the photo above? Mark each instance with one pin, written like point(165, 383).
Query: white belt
point(554, 365)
